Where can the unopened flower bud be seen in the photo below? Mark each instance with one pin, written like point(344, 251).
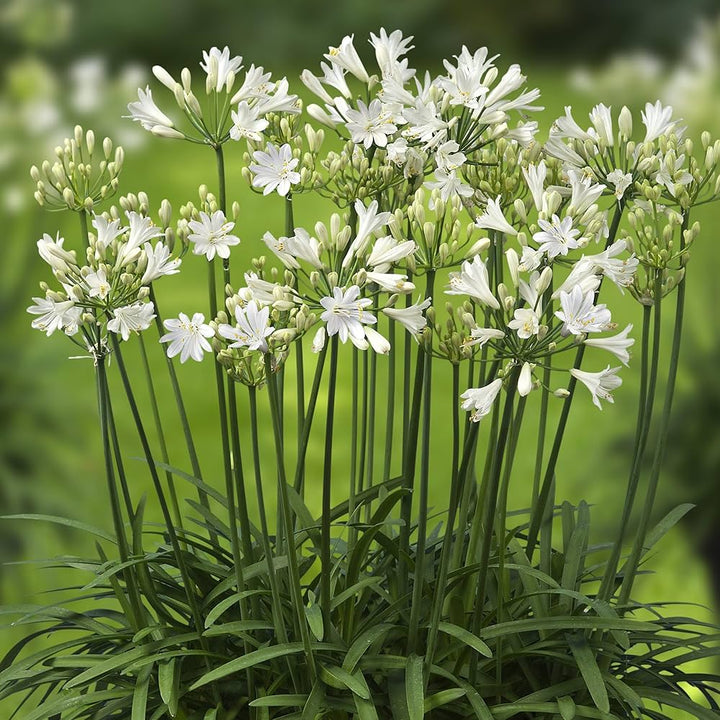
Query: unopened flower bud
point(625, 123)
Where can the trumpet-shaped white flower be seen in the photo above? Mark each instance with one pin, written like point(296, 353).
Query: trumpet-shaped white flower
point(159, 263)
point(345, 314)
point(480, 336)
point(275, 169)
point(621, 181)
point(220, 67)
point(187, 337)
point(494, 219)
point(535, 178)
point(54, 254)
point(347, 58)
point(525, 322)
point(479, 401)
point(106, 231)
point(601, 118)
point(369, 221)
point(657, 120)
point(566, 127)
point(448, 156)
point(211, 235)
point(557, 237)
point(617, 344)
point(473, 280)
point(148, 114)
point(142, 230)
point(370, 124)
point(52, 314)
point(449, 184)
point(600, 384)
point(131, 318)
point(412, 318)
point(252, 327)
point(281, 249)
point(391, 282)
point(579, 315)
point(387, 250)
point(247, 123)
point(424, 123)
point(97, 284)
point(389, 49)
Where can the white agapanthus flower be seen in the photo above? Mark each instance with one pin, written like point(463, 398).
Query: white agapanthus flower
point(525, 322)
point(220, 67)
point(391, 282)
point(52, 314)
point(107, 231)
point(247, 123)
point(211, 235)
point(601, 119)
point(142, 230)
point(557, 237)
point(387, 250)
point(657, 120)
point(149, 115)
point(159, 263)
point(479, 401)
point(369, 124)
point(480, 336)
point(600, 384)
point(535, 178)
point(369, 221)
point(580, 316)
point(51, 250)
point(449, 184)
point(97, 284)
point(187, 337)
point(525, 381)
point(412, 318)
point(274, 169)
point(473, 280)
point(281, 249)
point(378, 343)
point(318, 342)
point(252, 327)
point(131, 318)
point(389, 49)
point(617, 344)
point(494, 219)
point(621, 181)
point(424, 123)
point(345, 314)
point(347, 58)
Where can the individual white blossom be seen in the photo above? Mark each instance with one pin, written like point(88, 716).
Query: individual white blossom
point(274, 169)
point(424, 123)
point(220, 67)
point(617, 344)
point(345, 314)
point(149, 115)
point(107, 231)
point(388, 250)
point(473, 280)
point(280, 248)
point(318, 342)
point(657, 120)
point(369, 124)
point(97, 284)
point(379, 344)
point(600, 384)
point(131, 318)
point(187, 337)
point(211, 235)
point(346, 57)
point(601, 118)
point(51, 250)
point(412, 318)
point(448, 156)
point(579, 315)
point(535, 178)
point(480, 336)
point(494, 219)
point(557, 237)
point(525, 322)
point(142, 230)
point(246, 123)
point(251, 329)
point(391, 282)
point(369, 221)
point(52, 314)
point(159, 263)
point(479, 401)
point(621, 182)
point(389, 49)
point(449, 184)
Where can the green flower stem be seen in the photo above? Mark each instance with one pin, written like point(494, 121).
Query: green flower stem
point(267, 549)
point(82, 216)
point(372, 392)
point(172, 534)
point(125, 488)
point(134, 611)
point(220, 160)
point(455, 404)
point(325, 559)
point(390, 410)
point(354, 414)
point(286, 517)
point(639, 545)
point(307, 423)
point(364, 421)
point(187, 432)
point(161, 434)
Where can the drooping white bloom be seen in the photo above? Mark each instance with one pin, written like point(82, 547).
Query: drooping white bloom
point(275, 169)
point(494, 219)
point(370, 124)
point(390, 48)
point(276, 98)
point(106, 231)
point(391, 282)
point(347, 58)
point(579, 315)
point(523, 133)
point(525, 383)
point(479, 401)
point(345, 313)
point(602, 120)
point(377, 342)
point(52, 314)
point(473, 280)
point(148, 114)
point(412, 318)
point(159, 263)
point(251, 329)
point(525, 322)
point(279, 247)
point(131, 318)
point(313, 84)
point(583, 192)
point(268, 293)
point(657, 120)
point(387, 250)
point(617, 344)
point(600, 384)
point(305, 247)
point(480, 336)
point(530, 259)
point(566, 127)
point(97, 284)
point(397, 151)
point(51, 250)
point(142, 230)
point(535, 178)
point(220, 67)
point(621, 181)
point(187, 337)
point(449, 184)
point(247, 123)
point(369, 221)
point(557, 237)
point(448, 156)
point(424, 123)
point(621, 272)
point(211, 235)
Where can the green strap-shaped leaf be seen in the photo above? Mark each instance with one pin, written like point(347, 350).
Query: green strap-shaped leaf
point(465, 636)
point(279, 701)
point(415, 687)
point(338, 678)
point(63, 521)
point(365, 708)
point(590, 671)
point(442, 698)
point(567, 707)
point(315, 701)
point(362, 644)
point(140, 694)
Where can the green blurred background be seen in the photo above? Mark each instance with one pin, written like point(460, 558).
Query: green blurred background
point(65, 62)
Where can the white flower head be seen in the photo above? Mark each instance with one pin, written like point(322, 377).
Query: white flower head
point(281, 249)
point(97, 284)
point(386, 251)
point(345, 314)
point(347, 58)
point(473, 280)
point(148, 114)
point(479, 401)
point(449, 184)
point(535, 178)
point(657, 120)
point(600, 384)
point(602, 120)
point(525, 322)
point(370, 124)
point(106, 231)
point(247, 123)
point(131, 318)
point(412, 318)
point(494, 219)
point(480, 336)
point(187, 337)
point(389, 49)
point(621, 181)
point(275, 169)
point(51, 250)
point(377, 342)
point(391, 282)
point(220, 68)
point(52, 314)
point(617, 344)
point(369, 221)
point(211, 235)
point(159, 263)
point(557, 237)
point(252, 327)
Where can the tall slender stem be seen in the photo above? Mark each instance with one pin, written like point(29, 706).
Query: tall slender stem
point(390, 409)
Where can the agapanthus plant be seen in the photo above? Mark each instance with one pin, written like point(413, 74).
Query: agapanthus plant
point(376, 606)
